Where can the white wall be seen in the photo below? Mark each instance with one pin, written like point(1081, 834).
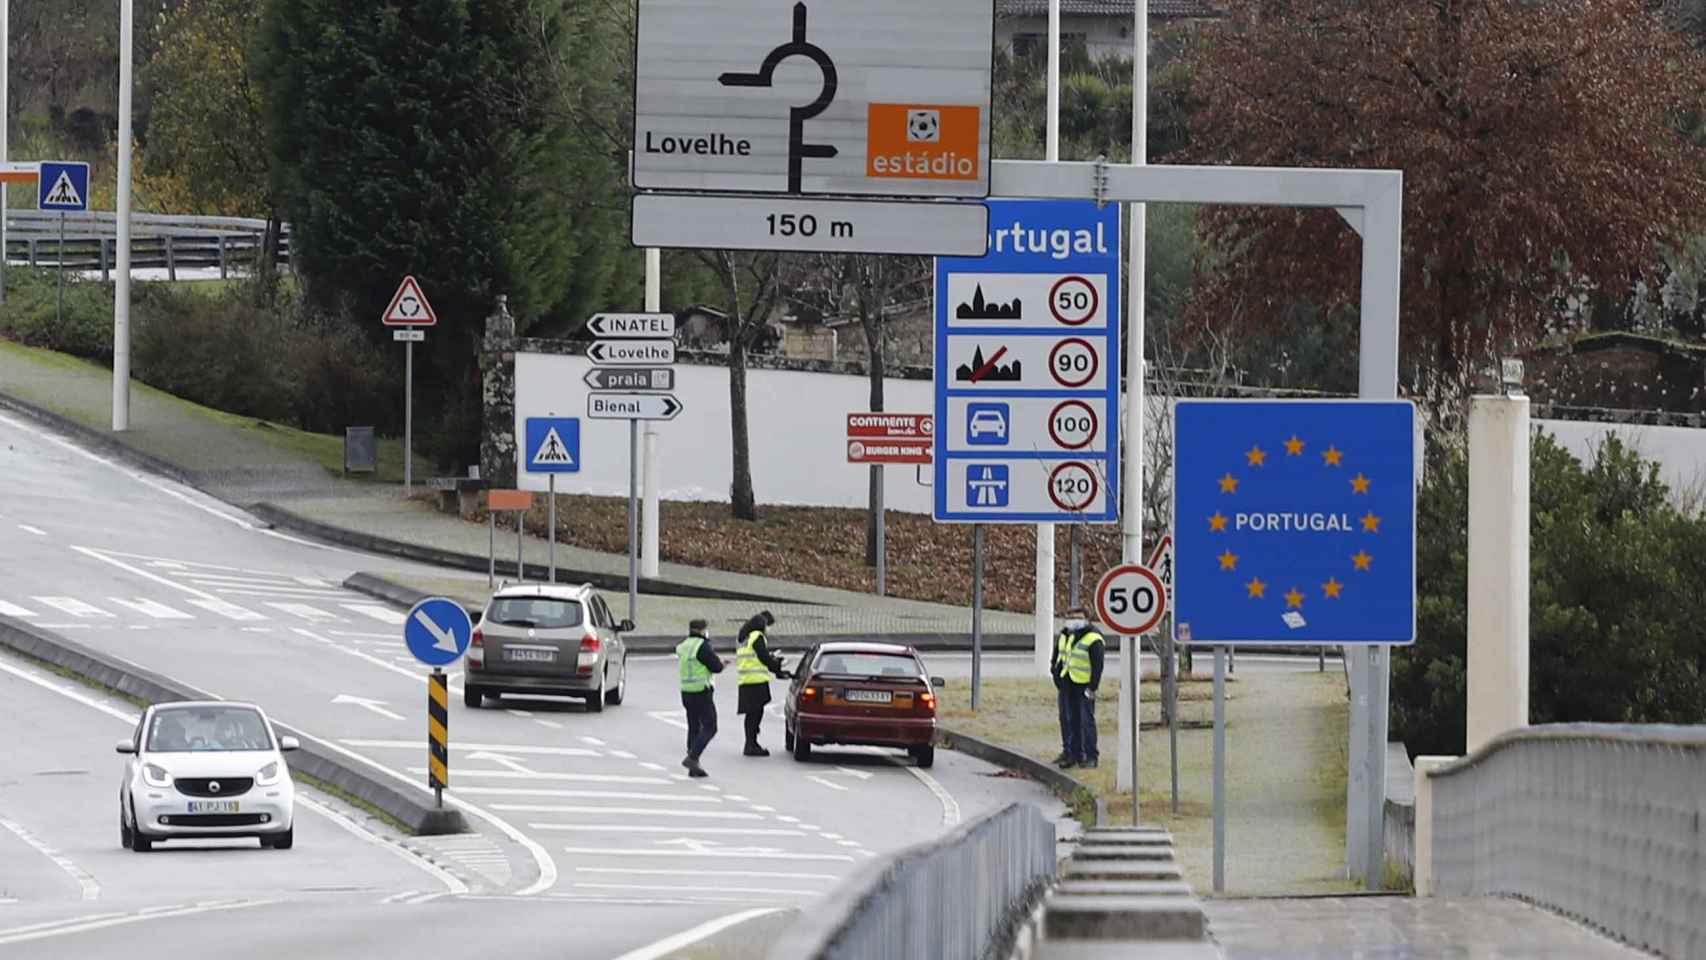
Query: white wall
point(797, 422)
point(1680, 451)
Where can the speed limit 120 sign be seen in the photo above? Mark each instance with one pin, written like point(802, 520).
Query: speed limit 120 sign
point(1131, 599)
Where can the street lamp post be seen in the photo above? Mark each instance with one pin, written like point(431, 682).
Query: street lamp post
point(121, 292)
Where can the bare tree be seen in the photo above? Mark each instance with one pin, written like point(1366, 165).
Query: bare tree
point(752, 288)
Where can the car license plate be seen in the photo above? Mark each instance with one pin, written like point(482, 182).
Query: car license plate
point(530, 655)
point(213, 806)
point(869, 696)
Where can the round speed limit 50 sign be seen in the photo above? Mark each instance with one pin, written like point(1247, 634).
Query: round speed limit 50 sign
point(1131, 599)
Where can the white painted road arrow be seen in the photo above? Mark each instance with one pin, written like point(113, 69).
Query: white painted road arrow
point(377, 706)
point(501, 759)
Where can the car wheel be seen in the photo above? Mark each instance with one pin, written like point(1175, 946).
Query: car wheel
point(802, 749)
point(926, 756)
point(473, 697)
point(614, 697)
point(787, 739)
point(123, 830)
point(139, 841)
point(280, 841)
point(595, 703)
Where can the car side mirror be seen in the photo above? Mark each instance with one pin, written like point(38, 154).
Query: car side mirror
point(938, 682)
point(288, 744)
point(626, 626)
point(125, 746)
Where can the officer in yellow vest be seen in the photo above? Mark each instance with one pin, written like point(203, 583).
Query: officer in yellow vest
point(1057, 673)
point(756, 664)
point(696, 663)
point(1078, 666)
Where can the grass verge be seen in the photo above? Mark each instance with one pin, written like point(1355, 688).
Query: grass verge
point(353, 801)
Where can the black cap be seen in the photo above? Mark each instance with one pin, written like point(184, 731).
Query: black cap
point(696, 624)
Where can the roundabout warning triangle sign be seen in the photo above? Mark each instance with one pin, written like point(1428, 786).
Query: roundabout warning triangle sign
point(409, 307)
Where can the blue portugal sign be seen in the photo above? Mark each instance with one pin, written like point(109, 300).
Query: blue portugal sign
point(1295, 521)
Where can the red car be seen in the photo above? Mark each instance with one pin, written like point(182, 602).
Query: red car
point(853, 692)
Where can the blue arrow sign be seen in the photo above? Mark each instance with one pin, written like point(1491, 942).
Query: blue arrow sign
point(553, 445)
point(1295, 521)
point(438, 631)
point(63, 186)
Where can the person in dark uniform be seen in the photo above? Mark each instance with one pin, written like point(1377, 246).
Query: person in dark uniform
point(756, 664)
point(1082, 661)
point(697, 662)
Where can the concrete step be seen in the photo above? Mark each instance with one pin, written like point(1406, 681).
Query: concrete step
point(1110, 950)
point(1120, 870)
point(1140, 839)
point(1109, 831)
point(1121, 851)
point(1124, 888)
point(1074, 917)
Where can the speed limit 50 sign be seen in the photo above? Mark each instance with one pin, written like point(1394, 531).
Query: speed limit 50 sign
point(1131, 599)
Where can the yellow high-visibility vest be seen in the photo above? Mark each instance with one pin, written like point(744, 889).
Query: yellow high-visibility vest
point(695, 676)
point(1078, 660)
point(751, 669)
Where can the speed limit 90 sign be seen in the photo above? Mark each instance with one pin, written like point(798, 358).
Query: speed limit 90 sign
point(1131, 599)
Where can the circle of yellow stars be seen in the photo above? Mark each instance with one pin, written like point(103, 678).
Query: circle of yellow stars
point(1256, 458)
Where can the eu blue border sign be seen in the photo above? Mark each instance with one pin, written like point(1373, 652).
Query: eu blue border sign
point(553, 445)
point(438, 631)
point(1295, 521)
point(63, 186)
point(1027, 368)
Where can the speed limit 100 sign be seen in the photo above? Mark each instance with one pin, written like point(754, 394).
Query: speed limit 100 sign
point(1131, 599)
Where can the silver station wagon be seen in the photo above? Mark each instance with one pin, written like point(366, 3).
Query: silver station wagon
point(551, 640)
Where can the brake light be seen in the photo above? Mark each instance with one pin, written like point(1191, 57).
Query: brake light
point(927, 703)
point(590, 644)
point(588, 656)
point(477, 650)
point(479, 637)
point(809, 693)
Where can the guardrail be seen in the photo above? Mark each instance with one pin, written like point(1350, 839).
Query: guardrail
point(157, 241)
point(957, 898)
point(1604, 823)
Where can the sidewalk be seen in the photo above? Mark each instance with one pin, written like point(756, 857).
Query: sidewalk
point(282, 475)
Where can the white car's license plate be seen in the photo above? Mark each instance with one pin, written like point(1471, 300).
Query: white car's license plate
point(530, 655)
point(869, 696)
point(213, 806)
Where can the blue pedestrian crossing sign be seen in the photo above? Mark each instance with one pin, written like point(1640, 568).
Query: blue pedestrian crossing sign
point(553, 445)
point(63, 186)
point(1295, 521)
point(438, 631)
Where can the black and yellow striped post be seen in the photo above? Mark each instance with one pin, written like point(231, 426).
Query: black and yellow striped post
point(438, 733)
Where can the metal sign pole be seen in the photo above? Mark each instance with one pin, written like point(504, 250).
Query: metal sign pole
point(491, 547)
point(633, 519)
point(1133, 654)
point(409, 418)
point(1171, 668)
point(1074, 564)
point(520, 543)
point(551, 528)
point(1219, 769)
point(438, 735)
point(882, 536)
point(976, 614)
point(59, 308)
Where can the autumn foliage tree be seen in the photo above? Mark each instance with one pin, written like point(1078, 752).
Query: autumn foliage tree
point(1539, 143)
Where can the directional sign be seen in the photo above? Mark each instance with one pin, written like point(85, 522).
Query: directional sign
point(887, 451)
point(630, 378)
point(1027, 369)
point(765, 96)
point(913, 228)
point(632, 406)
point(553, 445)
point(1295, 521)
point(14, 171)
point(437, 631)
point(409, 307)
point(1131, 599)
point(631, 353)
point(632, 325)
point(891, 426)
point(63, 186)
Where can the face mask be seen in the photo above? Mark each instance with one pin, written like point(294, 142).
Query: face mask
point(1077, 623)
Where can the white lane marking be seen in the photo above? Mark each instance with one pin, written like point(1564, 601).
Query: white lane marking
point(91, 889)
point(653, 766)
point(623, 755)
point(65, 626)
point(382, 614)
point(738, 799)
point(586, 794)
point(229, 611)
point(950, 807)
point(13, 610)
point(474, 747)
point(833, 836)
point(531, 775)
point(708, 854)
point(313, 582)
point(593, 741)
point(392, 637)
point(151, 608)
point(711, 788)
point(393, 898)
point(255, 580)
point(451, 883)
point(634, 828)
point(310, 614)
point(84, 926)
point(761, 874)
point(279, 593)
point(789, 819)
point(374, 706)
point(763, 809)
point(824, 781)
point(414, 675)
point(626, 811)
point(673, 945)
point(554, 725)
point(676, 889)
point(73, 606)
point(861, 774)
point(849, 843)
point(35, 530)
point(192, 591)
point(669, 717)
point(424, 898)
point(523, 714)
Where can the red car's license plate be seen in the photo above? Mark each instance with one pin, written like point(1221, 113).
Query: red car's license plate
point(868, 696)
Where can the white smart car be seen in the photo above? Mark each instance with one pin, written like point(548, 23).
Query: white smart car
point(201, 770)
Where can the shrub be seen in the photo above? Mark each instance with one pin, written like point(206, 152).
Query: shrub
point(30, 315)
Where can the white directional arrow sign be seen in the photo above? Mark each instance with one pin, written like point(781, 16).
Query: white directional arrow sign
point(631, 353)
point(442, 639)
point(632, 406)
point(632, 325)
point(376, 706)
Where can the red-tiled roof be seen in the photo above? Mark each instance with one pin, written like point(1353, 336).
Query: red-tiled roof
point(1158, 9)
